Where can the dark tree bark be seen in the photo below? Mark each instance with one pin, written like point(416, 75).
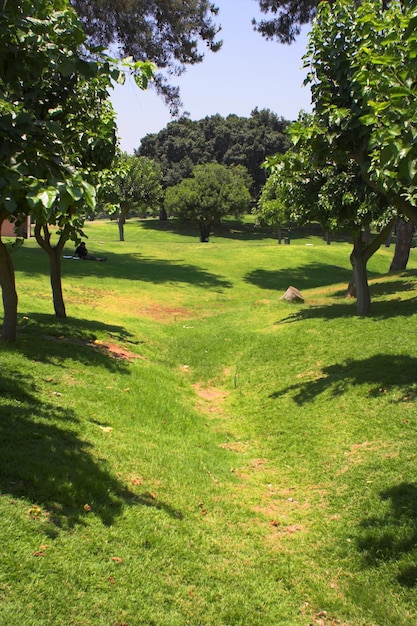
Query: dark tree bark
point(360, 279)
point(404, 239)
point(163, 214)
point(43, 237)
point(204, 232)
point(9, 294)
point(121, 222)
point(358, 287)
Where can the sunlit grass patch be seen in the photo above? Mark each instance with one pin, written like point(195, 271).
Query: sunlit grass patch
point(187, 448)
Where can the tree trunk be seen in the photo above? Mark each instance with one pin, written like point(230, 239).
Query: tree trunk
point(54, 253)
point(163, 214)
point(405, 232)
point(56, 283)
point(8, 288)
point(358, 258)
point(204, 232)
point(121, 222)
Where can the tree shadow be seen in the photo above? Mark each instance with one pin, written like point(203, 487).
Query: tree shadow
point(393, 535)
point(396, 307)
point(303, 277)
point(380, 372)
point(140, 268)
point(43, 460)
point(230, 229)
point(73, 338)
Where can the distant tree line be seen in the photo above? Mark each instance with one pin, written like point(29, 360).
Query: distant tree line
point(231, 140)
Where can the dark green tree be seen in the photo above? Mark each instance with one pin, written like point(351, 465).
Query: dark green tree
point(213, 192)
point(285, 18)
point(233, 140)
point(168, 32)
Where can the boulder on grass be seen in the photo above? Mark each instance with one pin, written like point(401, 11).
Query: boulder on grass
point(292, 295)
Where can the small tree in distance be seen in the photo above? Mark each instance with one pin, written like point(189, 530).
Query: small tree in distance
point(136, 185)
point(213, 192)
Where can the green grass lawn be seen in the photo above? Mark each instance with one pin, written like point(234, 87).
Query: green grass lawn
point(189, 449)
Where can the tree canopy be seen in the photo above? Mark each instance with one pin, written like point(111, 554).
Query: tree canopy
point(57, 127)
point(213, 191)
point(285, 18)
point(233, 140)
point(168, 32)
point(134, 185)
point(363, 127)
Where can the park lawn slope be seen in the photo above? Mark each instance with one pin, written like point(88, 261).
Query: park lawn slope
point(187, 448)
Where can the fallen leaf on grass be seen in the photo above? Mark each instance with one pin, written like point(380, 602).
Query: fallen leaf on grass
point(117, 559)
point(41, 551)
point(136, 481)
point(35, 511)
point(87, 508)
point(106, 429)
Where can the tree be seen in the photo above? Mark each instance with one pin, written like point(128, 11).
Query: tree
point(52, 138)
point(233, 140)
point(404, 231)
point(335, 196)
point(213, 192)
point(271, 208)
point(286, 19)
point(363, 87)
point(166, 31)
point(363, 76)
point(136, 186)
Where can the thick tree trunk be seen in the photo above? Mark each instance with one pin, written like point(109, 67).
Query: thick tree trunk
point(163, 214)
point(360, 256)
point(8, 288)
point(359, 259)
point(204, 232)
point(405, 232)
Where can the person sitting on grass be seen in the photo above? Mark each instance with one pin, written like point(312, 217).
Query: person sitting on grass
point(84, 255)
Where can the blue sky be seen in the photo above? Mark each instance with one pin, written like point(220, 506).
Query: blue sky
point(247, 72)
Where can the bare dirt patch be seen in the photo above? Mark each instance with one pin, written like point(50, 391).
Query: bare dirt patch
point(111, 349)
point(116, 351)
point(210, 399)
point(165, 313)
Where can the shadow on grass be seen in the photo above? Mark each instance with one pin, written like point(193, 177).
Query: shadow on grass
point(123, 266)
point(393, 536)
point(303, 277)
point(235, 230)
point(380, 372)
point(43, 460)
point(138, 267)
point(70, 338)
point(396, 307)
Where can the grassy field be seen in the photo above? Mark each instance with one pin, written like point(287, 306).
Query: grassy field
point(187, 449)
